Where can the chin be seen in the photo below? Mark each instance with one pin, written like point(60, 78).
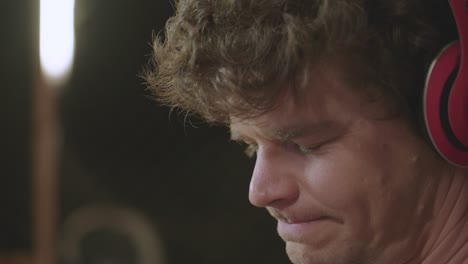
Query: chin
point(347, 253)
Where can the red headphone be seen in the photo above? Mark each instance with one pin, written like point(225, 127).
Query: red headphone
point(446, 94)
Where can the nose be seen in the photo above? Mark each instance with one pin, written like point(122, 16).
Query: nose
point(273, 181)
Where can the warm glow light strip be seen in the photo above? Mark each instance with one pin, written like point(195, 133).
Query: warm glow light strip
point(56, 51)
point(57, 38)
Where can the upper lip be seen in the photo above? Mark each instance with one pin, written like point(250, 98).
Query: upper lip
point(293, 218)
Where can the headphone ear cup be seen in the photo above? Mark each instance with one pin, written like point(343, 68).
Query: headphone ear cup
point(438, 106)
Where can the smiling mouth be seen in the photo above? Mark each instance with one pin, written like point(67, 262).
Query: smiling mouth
point(293, 219)
point(300, 230)
point(299, 221)
point(300, 227)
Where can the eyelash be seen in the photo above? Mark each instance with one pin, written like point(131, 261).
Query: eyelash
point(306, 150)
point(251, 149)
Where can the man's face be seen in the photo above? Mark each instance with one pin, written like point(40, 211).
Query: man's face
point(345, 186)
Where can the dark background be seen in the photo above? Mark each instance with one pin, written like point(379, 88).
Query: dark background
point(123, 150)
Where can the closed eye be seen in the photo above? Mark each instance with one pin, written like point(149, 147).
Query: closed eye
point(307, 149)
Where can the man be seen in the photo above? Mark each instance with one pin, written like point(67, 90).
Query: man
point(326, 94)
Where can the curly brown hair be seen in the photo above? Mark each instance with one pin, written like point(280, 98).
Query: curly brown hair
point(224, 58)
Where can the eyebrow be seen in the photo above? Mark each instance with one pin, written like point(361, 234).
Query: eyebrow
point(291, 131)
point(296, 131)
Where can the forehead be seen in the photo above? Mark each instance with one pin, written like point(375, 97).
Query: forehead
point(324, 98)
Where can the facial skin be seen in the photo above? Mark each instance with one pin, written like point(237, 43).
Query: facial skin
point(345, 186)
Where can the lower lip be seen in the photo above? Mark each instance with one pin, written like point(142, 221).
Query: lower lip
point(296, 231)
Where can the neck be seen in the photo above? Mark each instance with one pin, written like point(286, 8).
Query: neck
point(448, 239)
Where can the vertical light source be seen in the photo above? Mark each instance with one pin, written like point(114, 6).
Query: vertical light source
point(57, 38)
point(56, 52)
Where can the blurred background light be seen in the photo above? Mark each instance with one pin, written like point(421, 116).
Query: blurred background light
point(57, 38)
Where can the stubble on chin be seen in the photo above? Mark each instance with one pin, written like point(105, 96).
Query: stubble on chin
point(347, 254)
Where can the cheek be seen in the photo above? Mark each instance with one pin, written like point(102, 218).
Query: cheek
point(349, 184)
point(365, 185)
point(352, 178)
point(342, 182)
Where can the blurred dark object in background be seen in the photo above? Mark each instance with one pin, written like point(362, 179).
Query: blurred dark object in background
point(16, 125)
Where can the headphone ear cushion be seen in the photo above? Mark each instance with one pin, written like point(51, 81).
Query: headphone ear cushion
point(438, 113)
